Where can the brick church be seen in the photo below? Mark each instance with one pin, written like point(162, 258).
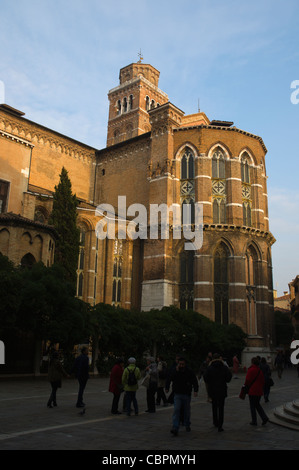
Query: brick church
point(155, 154)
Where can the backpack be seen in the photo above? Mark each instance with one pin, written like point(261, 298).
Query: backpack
point(132, 377)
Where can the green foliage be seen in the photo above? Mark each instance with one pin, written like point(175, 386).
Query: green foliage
point(40, 300)
point(165, 332)
point(64, 219)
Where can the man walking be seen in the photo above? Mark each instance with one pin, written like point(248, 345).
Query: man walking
point(81, 370)
point(183, 381)
point(216, 377)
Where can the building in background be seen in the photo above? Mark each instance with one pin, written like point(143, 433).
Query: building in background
point(155, 154)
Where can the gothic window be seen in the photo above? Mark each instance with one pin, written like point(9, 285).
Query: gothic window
point(81, 259)
point(147, 103)
point(245, 161)
point(218, 187)
point(221, 284)
point(130, 102)
point(251, 279)
point(187, 190)
point(117, 272)
point(152, 104)
point(4, 187)
point(186, 287)
point(125, 105)
point(28, 261)
point(247, 213)
point(246, 189)
point(118, 108)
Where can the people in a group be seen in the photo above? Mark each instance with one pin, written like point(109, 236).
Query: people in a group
point(55, 374)
point(162, 375)
point(152, 370)
point(81, 370)
point(115, 384)
point(130, 377)
point(254, 382)
point(267, 375)
point(183, 382)
point(216, 376)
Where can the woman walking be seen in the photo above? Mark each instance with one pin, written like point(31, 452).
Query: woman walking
point(115, 384)
point(255, 381)
point(55, 374)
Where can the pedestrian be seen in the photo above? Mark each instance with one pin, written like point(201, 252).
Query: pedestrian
point(267, 376)
point(130, 378)
point(152, 371)
point(236, 365)
point(254, 382)
point(81, 370)
point(183, 381)
point(55, 374)
point(170, 398)
point(216, 377)
point(278, 363)
point(162, 375)
point(115, 384)
point(202, 371)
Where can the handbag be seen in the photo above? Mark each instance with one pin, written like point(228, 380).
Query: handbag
point(271, 383)
point(245, 388)
point(145, 381)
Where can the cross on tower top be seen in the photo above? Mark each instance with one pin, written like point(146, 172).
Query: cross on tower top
point(140, 57)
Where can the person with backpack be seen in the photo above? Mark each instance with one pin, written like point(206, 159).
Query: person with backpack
point(162, 375)
point(130, 378)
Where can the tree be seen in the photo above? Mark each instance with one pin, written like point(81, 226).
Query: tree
point(64, 219)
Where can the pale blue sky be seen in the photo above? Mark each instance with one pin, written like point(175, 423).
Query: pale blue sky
point(59, 59)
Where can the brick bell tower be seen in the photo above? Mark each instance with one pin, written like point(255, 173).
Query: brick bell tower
point(136, 94)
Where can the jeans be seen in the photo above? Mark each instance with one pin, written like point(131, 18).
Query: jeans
point(131, 397)
point(181, 402)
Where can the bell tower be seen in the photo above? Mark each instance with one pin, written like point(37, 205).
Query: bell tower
point(136, 94)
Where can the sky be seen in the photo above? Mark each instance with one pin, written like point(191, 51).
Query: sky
point(238, 60)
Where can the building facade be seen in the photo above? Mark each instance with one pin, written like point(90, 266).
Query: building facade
point(155, 155)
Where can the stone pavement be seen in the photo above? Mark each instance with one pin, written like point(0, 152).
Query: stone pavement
point(27, 423)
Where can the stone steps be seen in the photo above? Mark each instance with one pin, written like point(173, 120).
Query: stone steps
point(286, 415)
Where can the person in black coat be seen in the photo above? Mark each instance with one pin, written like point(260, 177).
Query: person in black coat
point(81, 370)
point(216, 377)
point(183, 381)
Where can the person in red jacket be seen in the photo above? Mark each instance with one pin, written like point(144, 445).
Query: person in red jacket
point(254, 381)
point(115, 385)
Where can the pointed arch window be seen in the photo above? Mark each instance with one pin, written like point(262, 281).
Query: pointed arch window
point(251, 279)
point(221, 284)
point(117, 271)
point(186, 287)
point(246, 189)
point(187, 190)
point(81, 259)
point(218, 187)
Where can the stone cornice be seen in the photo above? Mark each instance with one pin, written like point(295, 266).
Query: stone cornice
point(227, 129)
point(34, 134)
